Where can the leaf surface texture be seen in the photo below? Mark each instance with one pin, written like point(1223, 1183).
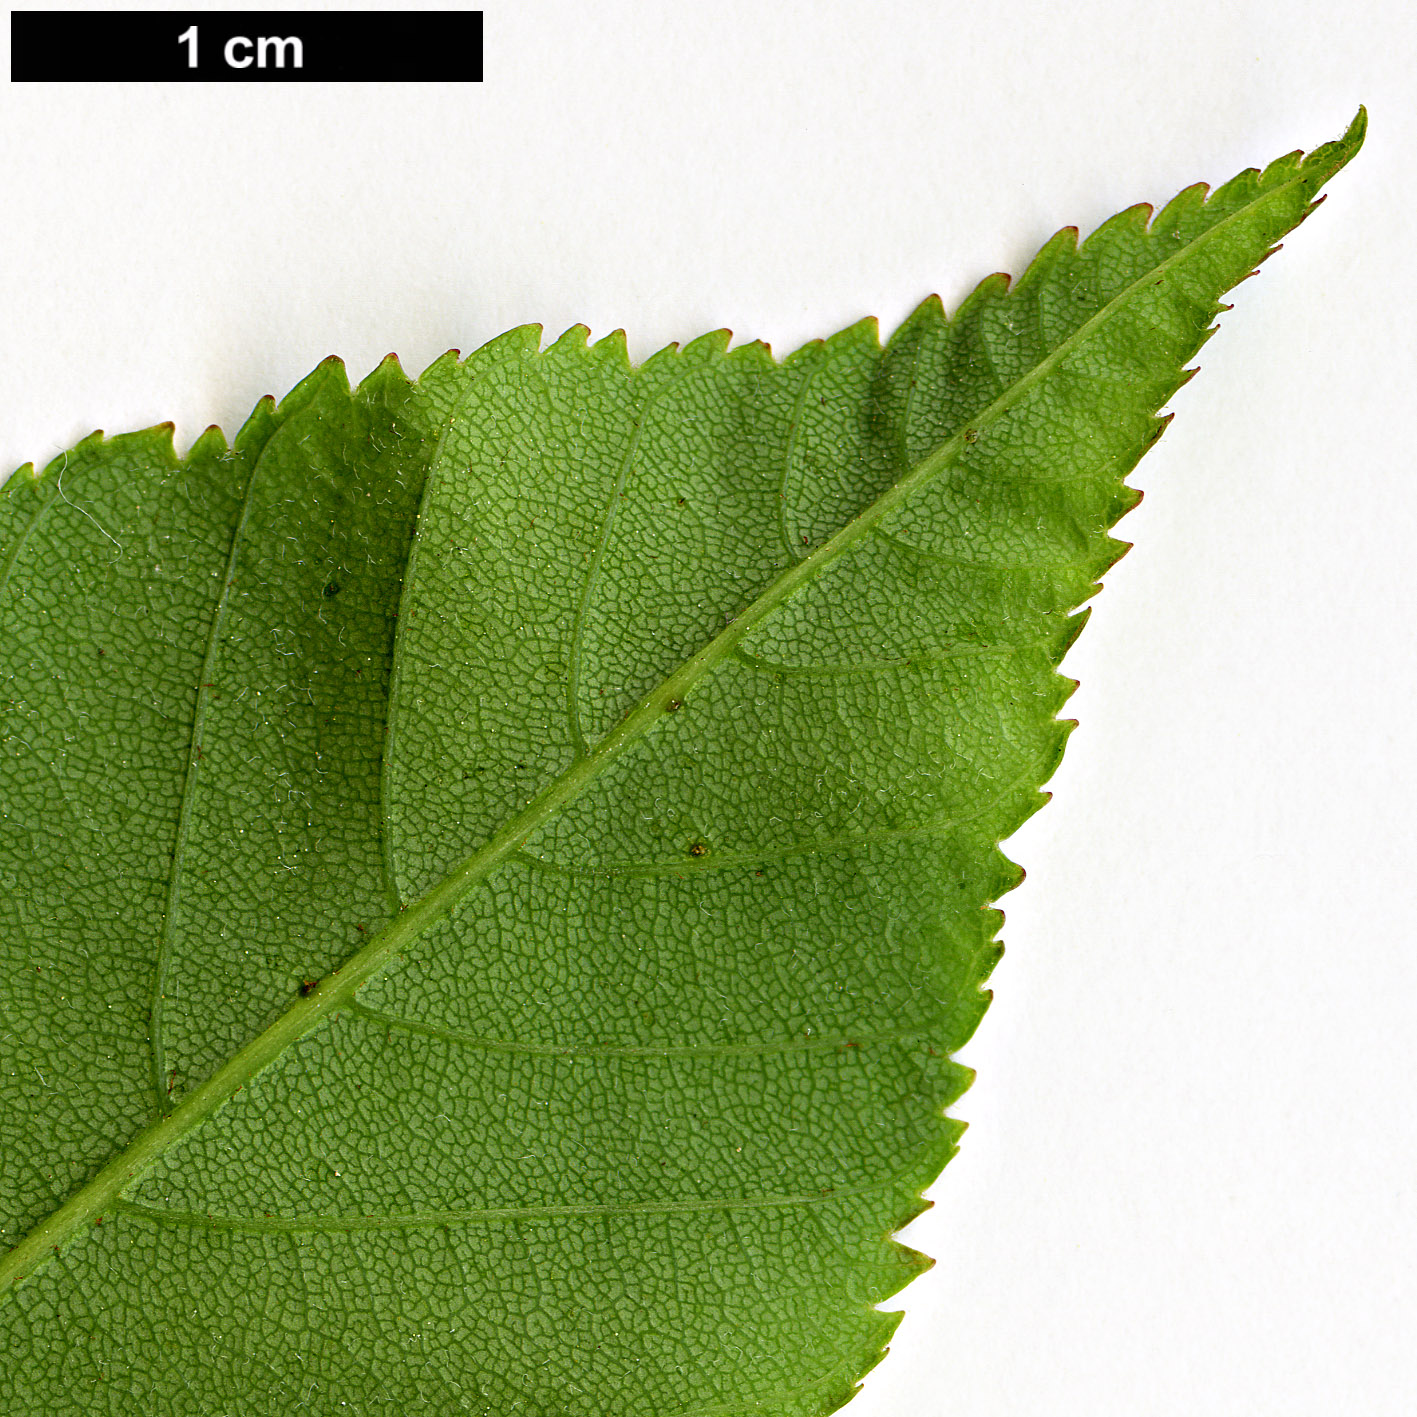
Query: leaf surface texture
point(495, 868)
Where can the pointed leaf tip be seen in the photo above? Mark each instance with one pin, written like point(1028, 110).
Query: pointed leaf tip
point(1332, 157)
point(1357, 130)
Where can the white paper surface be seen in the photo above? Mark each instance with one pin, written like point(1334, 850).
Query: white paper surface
point(1188, 1186)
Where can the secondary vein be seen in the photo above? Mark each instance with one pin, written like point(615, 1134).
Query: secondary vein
point(162, 1098)
point(607, 523)
point(643, 1050)
point(426, 1219)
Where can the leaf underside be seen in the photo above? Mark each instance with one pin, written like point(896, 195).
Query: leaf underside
point(493, 869)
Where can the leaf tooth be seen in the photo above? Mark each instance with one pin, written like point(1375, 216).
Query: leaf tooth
point(1240, 189)
point(613, 349)
point(520, 339)
point(157, 441)
point(756, 351)
point(670, 354)
point(805, 353)
point(1202, 339)
point(915, 1205)
point(1075, 624)
point(864, 334)
point(24, 473)
point(572, 341)
point(444, 362)
point(962, 1078)
point(1132, 220)
point(1282, 168)
point(390, 366)
point(331, 368)
point(257, 428)
point(55, 466)
point(927, 320)
point(991, 288)
point(916, 1261)
point(1010, 877)
point(1186, 202)
point(711, 346)
point(386, 377)
point(1061, 247)
point(210, 443)
point(1112, 548)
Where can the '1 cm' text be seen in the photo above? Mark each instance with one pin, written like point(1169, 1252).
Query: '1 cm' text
point(239, 52)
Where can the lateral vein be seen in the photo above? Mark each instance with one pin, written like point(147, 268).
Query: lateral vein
point(422, 1220)
point(162, 1098)
point(644, 1050)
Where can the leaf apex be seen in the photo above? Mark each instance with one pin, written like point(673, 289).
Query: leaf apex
point(1332, 156)
point(1357, 130)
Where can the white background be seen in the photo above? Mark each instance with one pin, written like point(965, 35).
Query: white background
point(1188, 1187)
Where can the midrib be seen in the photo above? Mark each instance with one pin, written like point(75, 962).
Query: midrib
point(339, 988)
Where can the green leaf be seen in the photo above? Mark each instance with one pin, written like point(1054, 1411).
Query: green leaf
point(496, 867)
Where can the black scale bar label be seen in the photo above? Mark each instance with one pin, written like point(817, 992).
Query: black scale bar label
point(291, 46)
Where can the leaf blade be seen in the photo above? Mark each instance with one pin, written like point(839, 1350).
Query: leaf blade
point(647, 756)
